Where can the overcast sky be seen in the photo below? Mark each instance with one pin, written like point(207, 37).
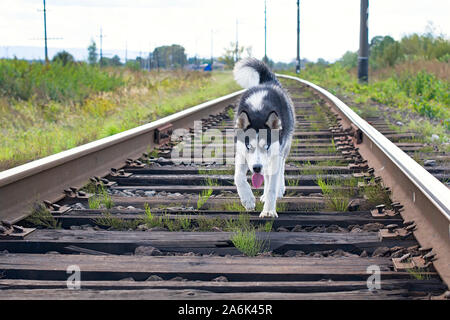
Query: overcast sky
point(328, 27)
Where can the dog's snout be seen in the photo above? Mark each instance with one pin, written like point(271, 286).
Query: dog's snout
point(257, 168)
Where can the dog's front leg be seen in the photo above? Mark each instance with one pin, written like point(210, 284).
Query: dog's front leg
point(270, 196)
point(266, 188)
point(243, 188)
point(281, 185)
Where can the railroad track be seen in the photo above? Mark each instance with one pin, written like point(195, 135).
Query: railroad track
point(355, 222)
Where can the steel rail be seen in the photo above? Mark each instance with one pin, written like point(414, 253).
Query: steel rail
point(426, 200)
point(44, 179)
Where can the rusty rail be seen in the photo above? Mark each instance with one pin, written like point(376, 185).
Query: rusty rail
point(44, 179)
point(426, 200)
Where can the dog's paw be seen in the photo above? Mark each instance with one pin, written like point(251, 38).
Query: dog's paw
point(249, 203)
point(268, 214)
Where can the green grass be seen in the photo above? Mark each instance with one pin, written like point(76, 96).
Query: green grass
point(41, 84)
point(33, 127)
point(419, 273)
point(42, 218)
point(203, 197)
point(376, 194)
point(234, 206)
point(94, 203)
point(230, 113)
point(101, 198)
point(407, 88)
point(109, 221)
point(336, 199)
point(211, 182)
point(248, 243)
point(216, 171)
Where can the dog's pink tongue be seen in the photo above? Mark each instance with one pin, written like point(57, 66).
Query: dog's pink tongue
point(257, 180)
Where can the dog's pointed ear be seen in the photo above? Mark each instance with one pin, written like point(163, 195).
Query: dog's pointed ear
point(242, 121)
point(273, 122)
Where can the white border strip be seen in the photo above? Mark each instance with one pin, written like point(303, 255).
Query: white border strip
point(431, 187)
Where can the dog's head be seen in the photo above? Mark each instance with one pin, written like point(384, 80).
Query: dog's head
point(258, 141)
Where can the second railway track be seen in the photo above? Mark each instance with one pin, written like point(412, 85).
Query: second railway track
point(155, 229)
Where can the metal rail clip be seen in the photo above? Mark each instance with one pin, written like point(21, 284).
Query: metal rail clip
point(10, 231)
point(55, 208)
point(119, 173)
point(393, 231)
point(162, 134)
point(407, 262)
point(134, 163)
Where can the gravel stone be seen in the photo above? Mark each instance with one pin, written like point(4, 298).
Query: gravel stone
point(154, 277)
point(78, 206)
point(381, 252)
point(127, 279)
point(429, 163)
point(290, 253)
point(178, 279)
point(142, 227)
point(220, 279)
point(373, 226)
point(147, 251)
point(339, 253)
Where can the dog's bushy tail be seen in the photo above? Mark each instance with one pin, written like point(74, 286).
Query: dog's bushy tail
point(251, 72)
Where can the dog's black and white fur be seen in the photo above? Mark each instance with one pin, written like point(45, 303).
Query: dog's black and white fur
point(265, 105)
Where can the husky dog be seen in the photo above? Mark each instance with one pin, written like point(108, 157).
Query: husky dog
point(264, 126)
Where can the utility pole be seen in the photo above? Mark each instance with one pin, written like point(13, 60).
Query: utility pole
point(265, 32)
point(212, 60)
point(363, 56)
point(126, 52)
point(101, 47)
point(45, 34)
point(298, 66)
